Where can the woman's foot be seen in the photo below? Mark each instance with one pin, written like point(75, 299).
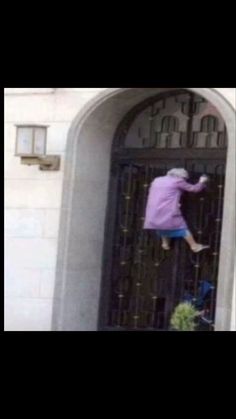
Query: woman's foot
point(165, 243)
point(199, 247)
point(165, 246)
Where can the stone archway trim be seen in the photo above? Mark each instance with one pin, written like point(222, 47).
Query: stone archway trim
point(225, 289)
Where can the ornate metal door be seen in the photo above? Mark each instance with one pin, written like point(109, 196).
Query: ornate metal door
point(142, 283)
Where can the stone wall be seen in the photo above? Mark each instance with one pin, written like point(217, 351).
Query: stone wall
point(32, 205)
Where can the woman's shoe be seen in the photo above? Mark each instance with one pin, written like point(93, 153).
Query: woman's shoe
point(199, 248)
point(165, 247)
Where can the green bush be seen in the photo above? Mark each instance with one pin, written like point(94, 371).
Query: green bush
point(183, 317)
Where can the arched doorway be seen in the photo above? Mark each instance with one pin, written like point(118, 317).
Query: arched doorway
point(86, 181)
point(142, 284)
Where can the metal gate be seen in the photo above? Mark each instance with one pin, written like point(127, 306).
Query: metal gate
point(142, 283)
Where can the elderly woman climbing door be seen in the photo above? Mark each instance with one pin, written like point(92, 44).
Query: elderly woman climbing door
point(163, 212)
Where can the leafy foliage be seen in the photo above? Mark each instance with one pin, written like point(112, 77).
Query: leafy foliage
point(183, 318)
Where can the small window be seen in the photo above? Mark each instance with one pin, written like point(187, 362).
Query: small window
point(170, 124)
point(31, 141)
point(209, 124)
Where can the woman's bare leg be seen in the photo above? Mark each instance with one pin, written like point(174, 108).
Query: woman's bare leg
point(190, 240)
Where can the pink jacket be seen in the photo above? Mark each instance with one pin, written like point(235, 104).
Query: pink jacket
point(163, 205)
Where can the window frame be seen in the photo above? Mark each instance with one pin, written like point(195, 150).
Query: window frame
point(34, 128)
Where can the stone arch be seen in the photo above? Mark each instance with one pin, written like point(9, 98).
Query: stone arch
point(83, 209)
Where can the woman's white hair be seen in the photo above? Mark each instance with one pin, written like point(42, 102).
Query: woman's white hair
point(182, 173)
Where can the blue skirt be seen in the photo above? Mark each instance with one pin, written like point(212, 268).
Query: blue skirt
point(183, 232)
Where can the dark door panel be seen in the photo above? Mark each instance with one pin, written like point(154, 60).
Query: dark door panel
point(141, 283)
